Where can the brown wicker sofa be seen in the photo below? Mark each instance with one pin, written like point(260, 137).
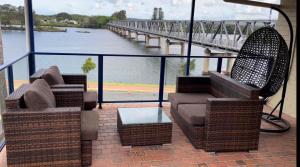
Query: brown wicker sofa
point(217, 113)
point(48, 128)
point(57, 81)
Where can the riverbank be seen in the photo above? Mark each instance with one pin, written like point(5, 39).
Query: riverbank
point(119, 87)
point(39, 29)
point(49, 29)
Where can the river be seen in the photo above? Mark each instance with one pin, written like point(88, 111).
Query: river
point(116, 69)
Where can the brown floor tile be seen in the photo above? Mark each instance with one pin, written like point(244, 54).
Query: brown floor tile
point(274, 149)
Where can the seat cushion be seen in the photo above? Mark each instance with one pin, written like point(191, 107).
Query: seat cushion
point(193, 114)
point(188, 98)
point(39, 95)
point(53, 76)
point(89, 125)
point(90, 100)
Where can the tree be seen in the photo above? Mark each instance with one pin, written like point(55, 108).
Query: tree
point(120, 15)
point(155, 14)
point(160, 14)
point(88, 65)
point(183, 66)
point(21, 16)
point(63, 16)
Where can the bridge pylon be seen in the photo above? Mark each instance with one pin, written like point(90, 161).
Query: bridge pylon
point(129, 36)
point(137, 34)
point(148, 37)
point(180, 43)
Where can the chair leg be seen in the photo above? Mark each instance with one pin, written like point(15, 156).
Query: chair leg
point(86, 152)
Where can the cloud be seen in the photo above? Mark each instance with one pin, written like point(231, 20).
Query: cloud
point(180, 2)
point(173, 9)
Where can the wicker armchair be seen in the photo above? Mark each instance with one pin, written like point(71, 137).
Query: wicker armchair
point(217, 113)
point(63, 81)
point(57, 136)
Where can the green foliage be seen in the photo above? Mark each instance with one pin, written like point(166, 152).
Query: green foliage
point(120, 15)
point(96, 21)
point(192, 66)
point(11, 15)
point(88, 65)
point(63, 16)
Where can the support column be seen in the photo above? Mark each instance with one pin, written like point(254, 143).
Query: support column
point(148, 37)
point(167, 47)
point(147, 40)
point(182, 48)
point(137, 37)
point(130, 35)
point(168, 43)
point(207, 52)
point(229, 64)
point(158, 38)
point(29, 27)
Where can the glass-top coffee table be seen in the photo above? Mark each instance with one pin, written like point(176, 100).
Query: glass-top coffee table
point(143, 126)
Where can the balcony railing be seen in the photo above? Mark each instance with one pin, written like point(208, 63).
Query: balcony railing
point(11, 82)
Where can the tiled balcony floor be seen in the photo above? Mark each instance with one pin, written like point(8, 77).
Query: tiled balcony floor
point(274, 149)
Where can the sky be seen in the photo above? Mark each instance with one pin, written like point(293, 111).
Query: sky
point(142, 9)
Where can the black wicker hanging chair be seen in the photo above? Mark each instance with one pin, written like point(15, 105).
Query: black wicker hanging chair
point(263, 62)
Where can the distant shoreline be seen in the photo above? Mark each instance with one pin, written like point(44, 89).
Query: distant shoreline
point(44, 28)
point(39, 29)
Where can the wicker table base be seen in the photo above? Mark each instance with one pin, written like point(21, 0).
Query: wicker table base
point(141, 134)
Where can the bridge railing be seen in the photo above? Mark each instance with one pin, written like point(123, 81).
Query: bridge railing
point(226, 35)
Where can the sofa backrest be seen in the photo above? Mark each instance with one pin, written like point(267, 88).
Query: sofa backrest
point(53, 76)
point(224, 86)
point(16, 100)
point(39, 95)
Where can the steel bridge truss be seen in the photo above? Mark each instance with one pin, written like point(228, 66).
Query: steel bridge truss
point(228, 35)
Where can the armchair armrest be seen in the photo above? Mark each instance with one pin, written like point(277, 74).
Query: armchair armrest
point(228, 87)
point(68, 97)
point(49, 135)
point(15, 99)
point(75, 79)
point(193, 84)
point(232, 123)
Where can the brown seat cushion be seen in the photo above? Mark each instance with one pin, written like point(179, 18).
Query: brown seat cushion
point(188, 98)
point(90, 100)
point(89, 125)
point(39, 95)
point(193, 114)
point(53, 76)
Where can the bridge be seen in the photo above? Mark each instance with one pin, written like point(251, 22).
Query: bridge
point(226, 35)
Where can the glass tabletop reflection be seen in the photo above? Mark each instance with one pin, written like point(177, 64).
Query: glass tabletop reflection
point(143, 115)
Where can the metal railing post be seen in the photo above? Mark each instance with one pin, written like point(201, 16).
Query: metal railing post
point(162, 80)
point(29, 27)
point(219, 66)
point(10, 75)
point(100, 80)
point(190, 39)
